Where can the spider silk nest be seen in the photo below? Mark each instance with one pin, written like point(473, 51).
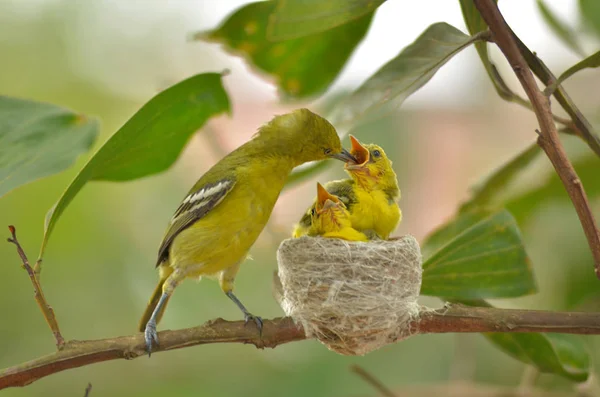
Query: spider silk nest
point(354, 297)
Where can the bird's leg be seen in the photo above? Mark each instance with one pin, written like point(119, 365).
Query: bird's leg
point(150, 331)
point(169, 286)
point(247, 315)
point(226, 281)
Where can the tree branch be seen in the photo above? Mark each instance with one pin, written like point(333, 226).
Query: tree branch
point(46, 309)
point(548, 138)
point(455, 318)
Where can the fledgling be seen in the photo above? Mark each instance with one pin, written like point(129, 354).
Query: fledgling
point(330, 218)
point(371, 193)
point(223, 214)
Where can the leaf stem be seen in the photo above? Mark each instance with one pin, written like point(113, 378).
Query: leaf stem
point(46, 309)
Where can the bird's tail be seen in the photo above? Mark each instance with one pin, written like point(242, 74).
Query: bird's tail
point(165, 272)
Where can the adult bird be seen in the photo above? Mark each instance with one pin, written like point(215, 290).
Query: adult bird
point(222, 215)
point(330, 218)
point(371, 193)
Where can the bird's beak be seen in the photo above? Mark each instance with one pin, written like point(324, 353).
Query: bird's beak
point(344, 156)
point(360, 153)
point(324, 199)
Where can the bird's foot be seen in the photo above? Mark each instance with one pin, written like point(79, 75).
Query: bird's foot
point(257, 320)
point(151, 336)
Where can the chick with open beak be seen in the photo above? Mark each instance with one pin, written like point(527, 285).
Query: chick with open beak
point(370, 195)
point(330, 218)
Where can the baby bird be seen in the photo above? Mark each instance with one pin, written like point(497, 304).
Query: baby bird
point(330, 218)
point(371, 194)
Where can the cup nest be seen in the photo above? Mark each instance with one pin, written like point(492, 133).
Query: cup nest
point(354, 297)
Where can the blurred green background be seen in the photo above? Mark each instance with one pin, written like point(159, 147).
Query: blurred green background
point(106, 58)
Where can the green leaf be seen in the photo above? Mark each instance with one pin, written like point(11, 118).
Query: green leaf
point(300, 67)
point(151, 140)
point(560, 29)
point(476, 24)
point(448, 231)
point(39, 139)
point(486, 260)
point(297, 18)
point(593, 61)
point(524, 205)
point(494, 185)
point(561, 354)
point(590, 13)
point(404, 74)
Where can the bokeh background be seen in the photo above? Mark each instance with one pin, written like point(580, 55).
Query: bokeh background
point(108, 57)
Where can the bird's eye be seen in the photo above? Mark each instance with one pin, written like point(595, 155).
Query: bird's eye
point(327, 151)
point(312, 212)
point(376, 153)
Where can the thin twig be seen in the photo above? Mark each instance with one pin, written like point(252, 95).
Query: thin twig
point(455, 318)
point(548, 139)
point(46, 309)
point(88, 389)
point(372, 380)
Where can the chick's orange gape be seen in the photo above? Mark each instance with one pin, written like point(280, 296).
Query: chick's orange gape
point(330, 218)
point(223, 214)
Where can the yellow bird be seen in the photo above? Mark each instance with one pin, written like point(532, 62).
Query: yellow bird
point(330, 218)
point(223, 214)
point(371, 194)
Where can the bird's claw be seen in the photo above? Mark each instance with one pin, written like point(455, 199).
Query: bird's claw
point(151, 336)
point(257, 320)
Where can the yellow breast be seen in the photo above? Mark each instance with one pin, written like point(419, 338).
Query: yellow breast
point(373, 211)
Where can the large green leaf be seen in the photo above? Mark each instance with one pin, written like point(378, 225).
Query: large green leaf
point(560, 28)
point(560, 354)
point(551, 188)
point(590, 12)
point(300, 67)
point(297, 18)
point(39, 139)
point(486, 193)
point(593, 61)
point(151, 140)
point(404, 74)
point(449, 230)
point(486, 260)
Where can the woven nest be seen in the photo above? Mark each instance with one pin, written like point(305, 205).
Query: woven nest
point(354, 297)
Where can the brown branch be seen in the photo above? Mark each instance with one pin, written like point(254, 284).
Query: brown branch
point(455, 318)
point(372, 380)
point(548, 139)
point(46, 309)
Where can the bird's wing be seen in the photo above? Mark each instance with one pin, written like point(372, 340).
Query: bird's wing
point(195, 206)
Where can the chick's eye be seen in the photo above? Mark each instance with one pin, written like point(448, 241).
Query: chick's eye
point(376, 153)
point(327, 151)
point(312, 212)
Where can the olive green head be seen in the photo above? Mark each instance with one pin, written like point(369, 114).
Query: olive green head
point(304, 136)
